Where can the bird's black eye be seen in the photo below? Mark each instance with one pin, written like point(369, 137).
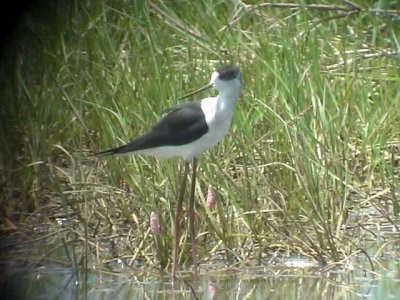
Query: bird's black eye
point(228, 72)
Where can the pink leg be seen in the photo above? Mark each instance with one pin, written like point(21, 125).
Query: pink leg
point(178, 219)
point(192, 215)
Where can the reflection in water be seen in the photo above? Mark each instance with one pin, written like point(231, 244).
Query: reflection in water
point(249, 283)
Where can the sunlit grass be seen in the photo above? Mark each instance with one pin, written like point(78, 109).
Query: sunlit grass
point(317, 123)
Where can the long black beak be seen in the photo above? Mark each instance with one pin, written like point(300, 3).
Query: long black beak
point(206, 87)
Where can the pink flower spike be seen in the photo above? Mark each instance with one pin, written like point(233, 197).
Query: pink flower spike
point(212, 288)
point(154, 224)
point(210, 199)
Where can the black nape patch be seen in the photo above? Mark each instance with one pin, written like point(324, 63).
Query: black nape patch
point(228, 72)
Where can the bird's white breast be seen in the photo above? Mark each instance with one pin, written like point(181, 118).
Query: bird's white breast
point(218, 118)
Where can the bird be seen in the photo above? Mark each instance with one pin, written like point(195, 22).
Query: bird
point(186, 131)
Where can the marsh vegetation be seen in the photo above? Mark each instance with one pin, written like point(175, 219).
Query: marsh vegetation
point(309, 168)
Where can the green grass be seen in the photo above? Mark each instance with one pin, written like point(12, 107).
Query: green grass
point(317, 123)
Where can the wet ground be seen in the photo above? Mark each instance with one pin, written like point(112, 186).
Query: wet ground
point(292, 278)
point(43, 271)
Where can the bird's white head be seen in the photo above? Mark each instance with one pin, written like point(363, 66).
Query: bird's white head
point(226, 79)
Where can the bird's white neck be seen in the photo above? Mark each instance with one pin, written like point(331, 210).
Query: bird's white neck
point(227, 98)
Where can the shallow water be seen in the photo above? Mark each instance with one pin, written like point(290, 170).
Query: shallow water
point(275, 282)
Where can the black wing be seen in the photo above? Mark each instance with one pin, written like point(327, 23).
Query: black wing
point(181, 125)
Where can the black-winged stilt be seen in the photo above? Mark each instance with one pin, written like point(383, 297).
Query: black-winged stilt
point(186, 131)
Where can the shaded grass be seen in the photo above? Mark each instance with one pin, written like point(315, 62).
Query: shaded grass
point(317, 123)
